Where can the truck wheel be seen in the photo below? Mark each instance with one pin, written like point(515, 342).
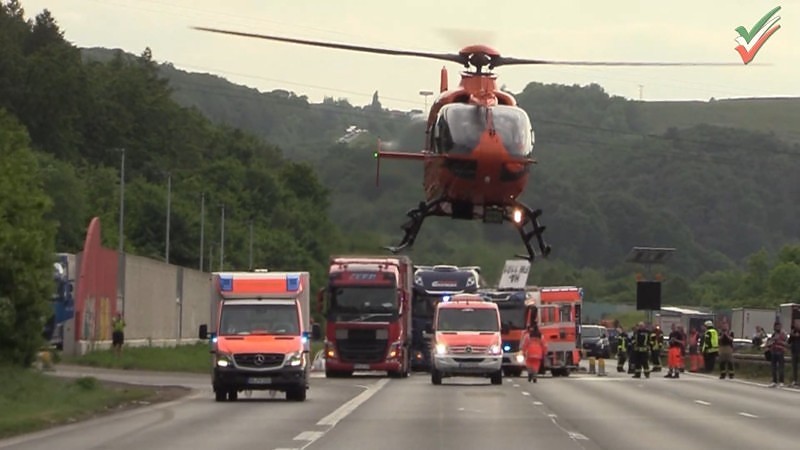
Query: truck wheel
point(436, 377)
point(220, 395)
point(296, 394)
point(497, 377)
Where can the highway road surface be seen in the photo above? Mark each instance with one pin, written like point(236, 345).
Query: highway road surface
point(371, 412)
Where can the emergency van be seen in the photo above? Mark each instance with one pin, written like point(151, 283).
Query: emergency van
point(559, 318)
point(466, 339)
point(260, 339)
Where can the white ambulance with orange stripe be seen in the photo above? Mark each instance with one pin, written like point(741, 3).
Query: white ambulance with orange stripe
point(260, 339)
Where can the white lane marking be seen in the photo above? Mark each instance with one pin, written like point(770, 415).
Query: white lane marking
point(343, 411)
point(701, 402)
point(752, 416)
point(309, 436)
point(526, 393)
point(576, 435)
point(552, 416)
point(287, 448)
point(538, 403)
point(516, 385)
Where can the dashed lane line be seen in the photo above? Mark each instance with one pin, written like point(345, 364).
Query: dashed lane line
point(701, 402)
point(752, 416)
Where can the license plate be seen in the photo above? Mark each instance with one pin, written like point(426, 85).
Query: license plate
point(260, 380)
point(361, 366)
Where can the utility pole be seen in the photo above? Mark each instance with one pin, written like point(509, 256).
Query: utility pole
point(169, 205)
point(202, 226)
point(222, 240)
point(426, 94)
point(251, 244)
point(121, 244)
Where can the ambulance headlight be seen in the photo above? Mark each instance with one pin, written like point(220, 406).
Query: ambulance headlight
point(495, 350)
point(441, 349)
point(224, 360)
point(294, 359)
point(520, 359)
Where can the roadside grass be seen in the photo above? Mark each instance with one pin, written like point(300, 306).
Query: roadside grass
point(183, 358)
point(31, 401)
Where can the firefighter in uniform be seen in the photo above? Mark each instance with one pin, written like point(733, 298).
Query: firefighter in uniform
point(631, 353)
point(641, 351)
point(656, 345)
point(676, 344)
point(710, 347)
point(622, 350)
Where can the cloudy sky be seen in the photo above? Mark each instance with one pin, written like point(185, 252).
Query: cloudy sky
point(627, 30)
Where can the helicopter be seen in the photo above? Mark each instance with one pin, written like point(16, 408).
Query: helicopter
point(478, 142)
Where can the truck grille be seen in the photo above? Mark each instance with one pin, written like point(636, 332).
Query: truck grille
point(463, 349)
point(362, 351)
point(258, 360)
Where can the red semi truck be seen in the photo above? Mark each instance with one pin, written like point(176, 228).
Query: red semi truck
point(367, 305)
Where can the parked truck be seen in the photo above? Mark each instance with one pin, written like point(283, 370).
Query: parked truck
point(745, 320)
point(367, 305)
point(790, 316)
point(559, 316)
point(433, 284)
point(62, 303)
point(511, 304)
point(260, 338)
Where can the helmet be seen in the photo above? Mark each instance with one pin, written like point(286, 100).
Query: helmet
point(709, 323)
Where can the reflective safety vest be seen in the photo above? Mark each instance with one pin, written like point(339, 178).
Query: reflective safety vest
point(656, 341)
point(621, 343)
point(711, 341)
point(119, 325)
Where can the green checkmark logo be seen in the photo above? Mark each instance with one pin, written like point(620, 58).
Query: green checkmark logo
point(748, 35)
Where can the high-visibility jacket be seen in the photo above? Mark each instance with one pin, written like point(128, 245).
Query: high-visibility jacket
point(656, 341)
point(711, 341)
point(622, 342)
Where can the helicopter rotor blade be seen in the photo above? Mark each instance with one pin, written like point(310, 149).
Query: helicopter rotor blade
point(440, 56)
point(508, 61)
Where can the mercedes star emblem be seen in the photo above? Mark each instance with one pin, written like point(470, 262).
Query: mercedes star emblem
point(259, 360)
point(468, 349)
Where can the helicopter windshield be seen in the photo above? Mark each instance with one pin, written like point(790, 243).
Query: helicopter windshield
point(460, 126)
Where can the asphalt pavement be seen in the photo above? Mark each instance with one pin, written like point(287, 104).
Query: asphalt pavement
point(581, 411)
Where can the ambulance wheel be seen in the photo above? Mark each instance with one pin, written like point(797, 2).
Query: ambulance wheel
point(296, 394)
point(232, 395)
point(497, 377)
point(436, 377)
point(220, 395)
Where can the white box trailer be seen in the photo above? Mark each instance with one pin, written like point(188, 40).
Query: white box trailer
point(790, 315)
point(745, 320)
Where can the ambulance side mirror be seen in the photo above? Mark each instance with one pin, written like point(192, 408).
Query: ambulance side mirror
point(316, 332)
point(203, 332)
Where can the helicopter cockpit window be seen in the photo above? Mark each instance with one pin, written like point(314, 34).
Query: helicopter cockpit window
point(514, 128)
point(460, 126)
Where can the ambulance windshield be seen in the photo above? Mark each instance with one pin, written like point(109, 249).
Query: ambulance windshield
point(363, 303)
point(255, 318)
point(467, 319)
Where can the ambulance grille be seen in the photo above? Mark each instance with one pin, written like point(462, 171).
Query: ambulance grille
point(258, 360)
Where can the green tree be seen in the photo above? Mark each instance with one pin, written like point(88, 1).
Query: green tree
point(26, 246)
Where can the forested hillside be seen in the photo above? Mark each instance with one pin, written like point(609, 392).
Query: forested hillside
point(608, 178)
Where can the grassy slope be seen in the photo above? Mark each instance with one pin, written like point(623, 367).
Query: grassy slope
point(184, 358)
point(31, 401)
point(778, 115)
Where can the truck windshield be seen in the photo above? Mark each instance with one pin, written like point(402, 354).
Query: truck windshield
point(467, 319)
point(259, 319)
point(363, 302)
point(513, 314)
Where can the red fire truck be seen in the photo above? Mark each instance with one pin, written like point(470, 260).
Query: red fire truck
point(367, 304)
point(559, 316)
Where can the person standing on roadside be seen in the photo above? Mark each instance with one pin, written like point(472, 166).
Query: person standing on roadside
point(676, 343)
point(777, 347)
point(794, 344)
point(725, 352)
point(118, 334)
point(710, 347)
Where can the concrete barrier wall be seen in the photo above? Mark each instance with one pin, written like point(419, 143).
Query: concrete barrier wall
point(164, 306)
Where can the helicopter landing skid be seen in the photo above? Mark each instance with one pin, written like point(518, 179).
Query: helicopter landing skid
point(413, 226)
point(531, 218)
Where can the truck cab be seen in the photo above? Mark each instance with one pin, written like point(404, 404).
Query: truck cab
point(261, 338)
point(511, 304)
point(559, 318)
point(466, 339)
point(432, 284)
point(367, 305)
